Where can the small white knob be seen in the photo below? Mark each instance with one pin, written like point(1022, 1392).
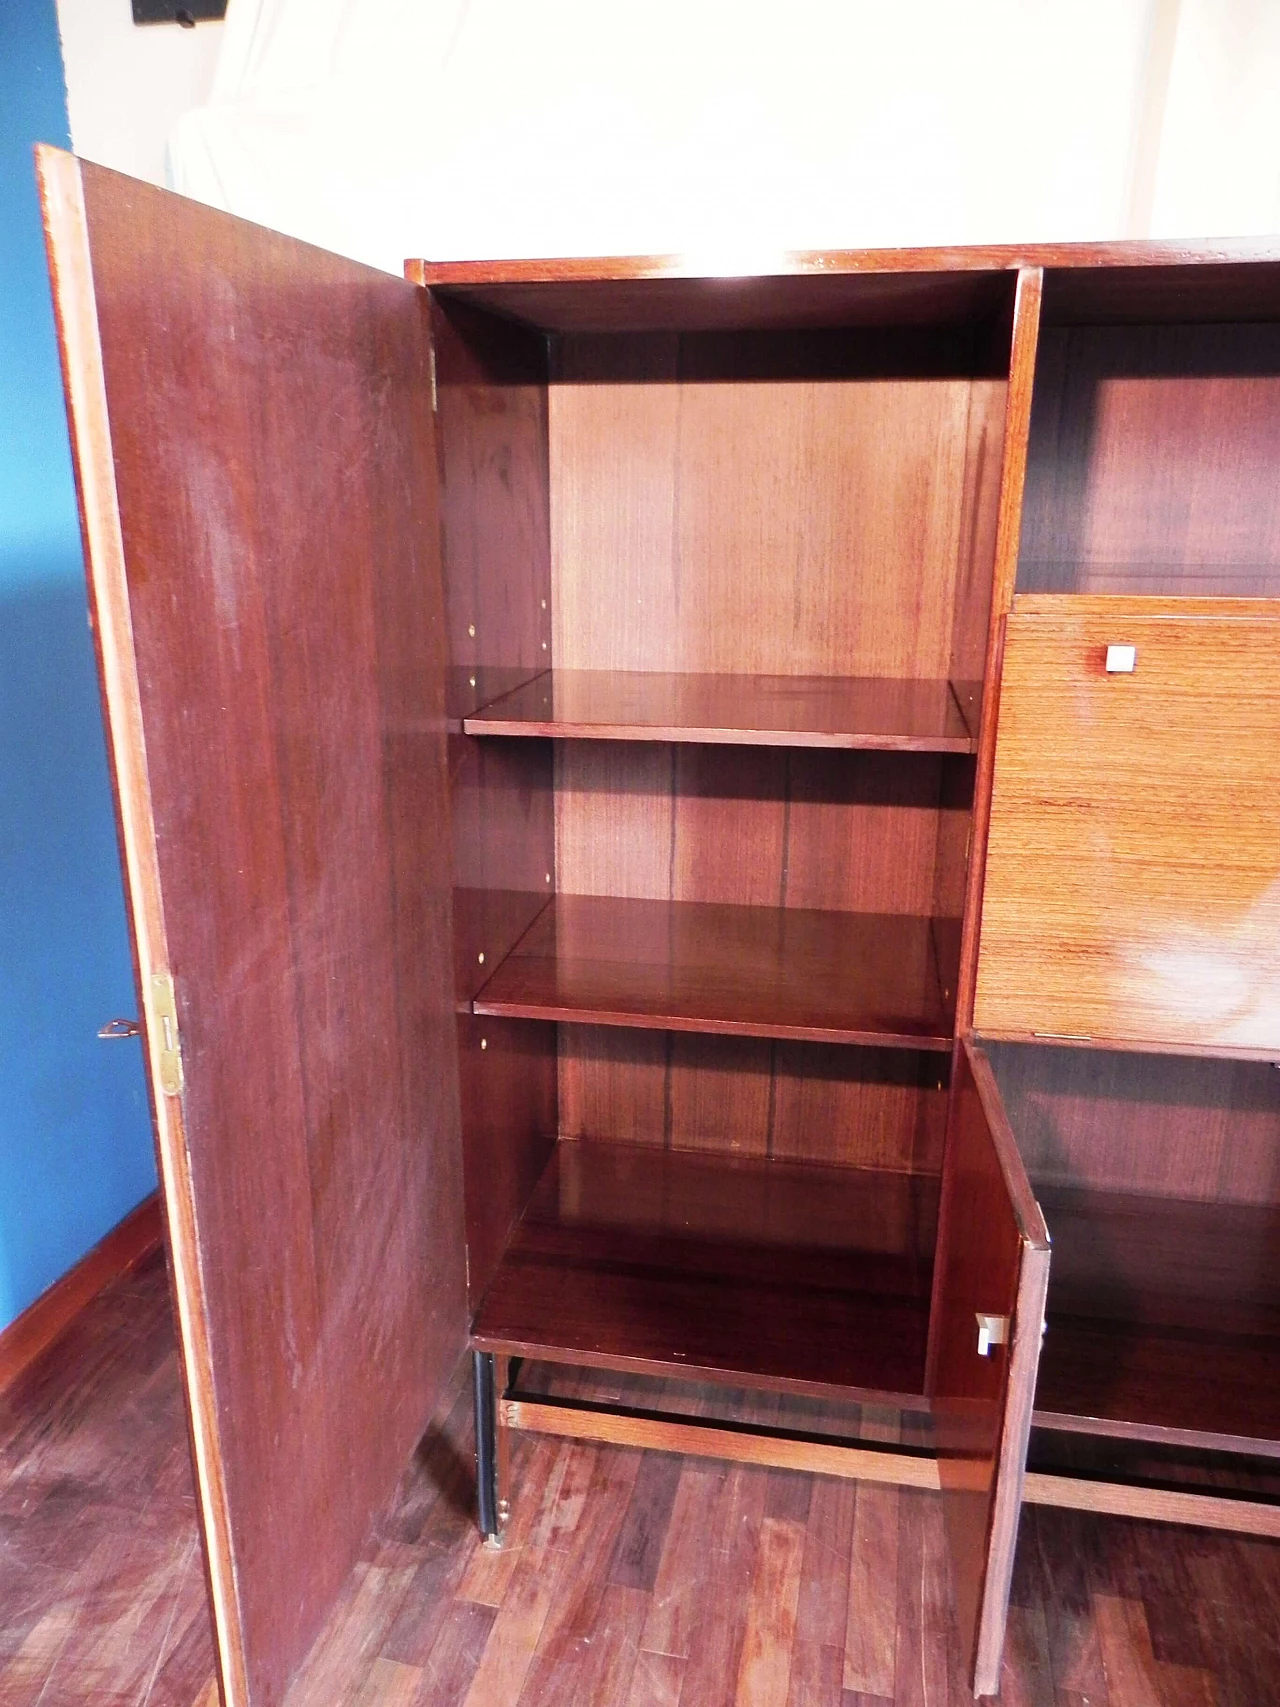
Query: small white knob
point(1121, 660)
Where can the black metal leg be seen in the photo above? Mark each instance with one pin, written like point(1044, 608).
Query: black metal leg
point(486, 1444)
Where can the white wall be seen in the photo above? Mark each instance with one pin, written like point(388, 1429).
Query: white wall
point(127, 84)
point(723, 129)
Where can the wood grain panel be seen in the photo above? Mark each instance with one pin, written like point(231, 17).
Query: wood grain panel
point(615, 819)
point(863, 832)
point(864, 1108)
point(720, 1094)
point(1158, 1125)
point(993, 1257)
point(1152, 462)
point(845, 831)
point(739, 1270)
point(798, 1102)
point(778, 534)
point(292, 849)
point(613, 1083)
point(1133, 868)
point(729, 830)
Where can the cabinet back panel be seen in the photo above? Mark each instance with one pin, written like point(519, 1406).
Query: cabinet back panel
point(1152, 461)
point(1159, 1125)
point(857, 832)
point(869, 1108)
point(787, 526)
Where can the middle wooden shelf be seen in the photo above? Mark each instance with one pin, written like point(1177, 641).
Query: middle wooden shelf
point(786, 972)
point(877, 713)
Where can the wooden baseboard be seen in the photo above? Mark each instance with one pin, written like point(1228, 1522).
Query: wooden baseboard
point(40, 1323)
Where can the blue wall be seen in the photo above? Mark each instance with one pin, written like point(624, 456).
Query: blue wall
point(75, 1142)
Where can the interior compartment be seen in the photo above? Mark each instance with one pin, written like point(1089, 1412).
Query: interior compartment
point(719, 592)
point(1159, 1177)
point(1152, 458)
point(760, 1271)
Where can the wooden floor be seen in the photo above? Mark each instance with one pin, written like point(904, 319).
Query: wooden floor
point(628, 1580)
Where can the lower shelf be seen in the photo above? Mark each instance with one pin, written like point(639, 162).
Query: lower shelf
point(1163, 1321)
point(749, 1272)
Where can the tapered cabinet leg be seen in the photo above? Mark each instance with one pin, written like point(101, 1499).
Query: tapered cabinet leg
point(486, 1444)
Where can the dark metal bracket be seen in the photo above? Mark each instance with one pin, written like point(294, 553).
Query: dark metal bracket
point(187, 13)
point(486, 1415)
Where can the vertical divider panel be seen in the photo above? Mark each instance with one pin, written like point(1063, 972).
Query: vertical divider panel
point(490, 406)
point(1013, 474)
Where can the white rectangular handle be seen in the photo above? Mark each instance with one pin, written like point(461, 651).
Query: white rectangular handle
point(992, 1331)
point(1121, 660)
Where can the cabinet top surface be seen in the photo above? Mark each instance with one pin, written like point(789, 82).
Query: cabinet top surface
point(1227, 279)
point(801, 263)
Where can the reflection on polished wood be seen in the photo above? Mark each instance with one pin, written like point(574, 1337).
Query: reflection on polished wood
point(1133, 872)
point(769, 711)
point(747, 971)
point(750, 1271)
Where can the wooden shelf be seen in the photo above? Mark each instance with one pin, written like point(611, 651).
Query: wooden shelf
point(721, 1268)
point(746, 971)
point(1164, 1320)
point(874, 712)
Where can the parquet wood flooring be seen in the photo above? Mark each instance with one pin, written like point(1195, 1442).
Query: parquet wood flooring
point(627, 1579)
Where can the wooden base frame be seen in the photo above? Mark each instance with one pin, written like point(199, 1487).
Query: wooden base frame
point(745, 1443)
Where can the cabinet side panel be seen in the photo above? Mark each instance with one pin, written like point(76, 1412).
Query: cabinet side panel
point(491, 443)
point(270, 416)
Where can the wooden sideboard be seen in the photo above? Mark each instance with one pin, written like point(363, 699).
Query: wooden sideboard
point(640, 868)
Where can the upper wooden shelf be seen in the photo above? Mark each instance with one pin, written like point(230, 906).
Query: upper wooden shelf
point(721, 1267)
point(826, 977)
point(873, 712)
point(1163, 1320)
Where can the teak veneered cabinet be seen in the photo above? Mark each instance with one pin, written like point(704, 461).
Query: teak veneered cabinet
point(553, 710)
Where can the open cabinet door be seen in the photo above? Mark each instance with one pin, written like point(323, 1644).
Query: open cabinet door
point(993, 1272)
point(252, 430)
